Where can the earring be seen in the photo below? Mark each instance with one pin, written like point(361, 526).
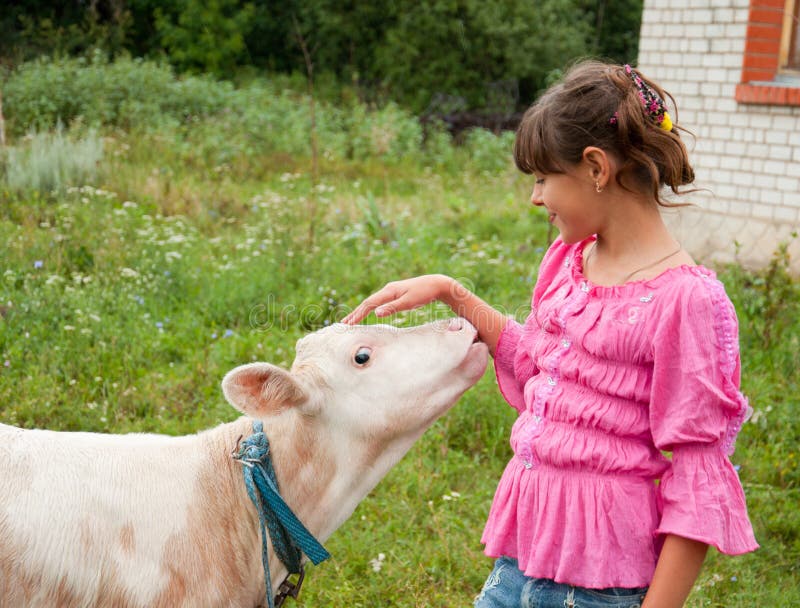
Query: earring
point(597, 187)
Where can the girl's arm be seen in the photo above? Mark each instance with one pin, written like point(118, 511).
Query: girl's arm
point(676, 571)
point(413, 293)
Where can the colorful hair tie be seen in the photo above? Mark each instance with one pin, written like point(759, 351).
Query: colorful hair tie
point(652, 103)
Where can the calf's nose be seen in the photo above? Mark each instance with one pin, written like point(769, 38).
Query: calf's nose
point(455, 324)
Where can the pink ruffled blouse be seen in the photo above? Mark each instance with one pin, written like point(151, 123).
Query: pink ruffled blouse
point(604, 380)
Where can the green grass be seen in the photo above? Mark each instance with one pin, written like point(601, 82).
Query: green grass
point(124, 302)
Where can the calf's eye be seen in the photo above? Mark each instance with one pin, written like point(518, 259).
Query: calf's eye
point(362, 355)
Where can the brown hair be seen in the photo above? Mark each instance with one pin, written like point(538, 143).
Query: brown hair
point(576, 113)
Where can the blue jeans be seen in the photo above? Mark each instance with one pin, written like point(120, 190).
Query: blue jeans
point(508, 587)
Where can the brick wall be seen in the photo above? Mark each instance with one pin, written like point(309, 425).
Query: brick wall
point(718, 59)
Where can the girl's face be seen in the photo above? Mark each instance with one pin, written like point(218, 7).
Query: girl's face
point(571, 202)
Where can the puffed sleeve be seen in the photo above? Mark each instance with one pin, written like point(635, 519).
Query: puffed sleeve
point(505, 357)
point(696, 413)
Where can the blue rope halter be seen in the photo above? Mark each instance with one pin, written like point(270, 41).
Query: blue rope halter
point(289, 536)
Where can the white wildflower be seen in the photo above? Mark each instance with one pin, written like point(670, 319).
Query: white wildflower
point(377, 563)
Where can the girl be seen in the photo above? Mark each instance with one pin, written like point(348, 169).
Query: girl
point(630, 350)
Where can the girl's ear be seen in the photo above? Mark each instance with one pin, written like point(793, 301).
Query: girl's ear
point(261, 389)
point(599, 164)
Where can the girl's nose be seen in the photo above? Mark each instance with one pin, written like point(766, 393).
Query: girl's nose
point(536, 196)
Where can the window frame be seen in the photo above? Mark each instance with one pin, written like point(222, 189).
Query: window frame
point(790, 40)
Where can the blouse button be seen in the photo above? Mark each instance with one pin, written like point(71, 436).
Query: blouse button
point(565, 343)
point(528, 464)
point(551, 381)
point(584, 286)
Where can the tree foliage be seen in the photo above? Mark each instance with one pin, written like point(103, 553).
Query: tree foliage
point(468, 53)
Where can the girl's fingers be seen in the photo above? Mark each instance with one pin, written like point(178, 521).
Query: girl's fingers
point(379, 299)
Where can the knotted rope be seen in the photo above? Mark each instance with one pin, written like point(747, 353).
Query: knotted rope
point(290, 538)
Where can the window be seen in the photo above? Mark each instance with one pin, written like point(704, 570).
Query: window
point(771, 66)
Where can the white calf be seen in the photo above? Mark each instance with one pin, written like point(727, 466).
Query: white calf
point(135, 521)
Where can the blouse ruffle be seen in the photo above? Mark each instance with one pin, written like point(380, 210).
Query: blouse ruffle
point(604, 379)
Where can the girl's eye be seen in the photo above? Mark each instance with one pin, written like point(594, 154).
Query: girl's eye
point(539, 180)
point(362, 355)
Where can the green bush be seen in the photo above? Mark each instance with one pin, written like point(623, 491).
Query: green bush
point(489, 152)
point(128, 93)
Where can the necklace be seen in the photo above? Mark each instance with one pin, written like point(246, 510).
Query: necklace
point(638, 270)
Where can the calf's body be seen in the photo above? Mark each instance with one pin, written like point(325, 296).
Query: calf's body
point(153, 521)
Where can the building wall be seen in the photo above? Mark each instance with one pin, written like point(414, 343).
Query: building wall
point(746, 155)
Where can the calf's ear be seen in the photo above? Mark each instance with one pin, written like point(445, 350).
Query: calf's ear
point(261, 389)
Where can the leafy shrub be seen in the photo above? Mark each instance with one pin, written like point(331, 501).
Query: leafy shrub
point(127, 93)
point(489, 152)
point(48, 162)
point(216, 122)
point(389, 133)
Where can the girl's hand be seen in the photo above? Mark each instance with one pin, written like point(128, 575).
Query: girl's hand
point(401, 295)
point(416, 292)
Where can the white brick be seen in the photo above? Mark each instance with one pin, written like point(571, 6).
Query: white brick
point(791, 200)
point(778, 152)
point(728, 90)
point(741, 16)
point(701, 16)
point(759, 121)
point(776, 137)
point(723, 15)
point(717, 74)
point(673, 30)
point(718, 205)
point(774, 167)
point(793, 169)
point(715, 30)
point(672, 59)
point(735, 30)
point(648, 43)
point(727, 105)
point(758, 165)
point(727, 191)
point(694, 31)
point(786, 214)
point(796, 155)
point(787, 184)
point(740, 178)
point(770, 197)
point(730, 162)
point(732, 60)
point(721, 45)
point(764, 212)
point(769, 182)
point(718, 118)
point(689, 88)
point(740, 208)
point(758, 151)
point(753, 136)
point(719, 132)
point(794, 139)
point(710, 89)
point(790, 124)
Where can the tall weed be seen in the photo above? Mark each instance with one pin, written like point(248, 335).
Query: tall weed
point(47, 162)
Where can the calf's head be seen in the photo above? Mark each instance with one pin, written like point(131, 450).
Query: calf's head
point(374, 383)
